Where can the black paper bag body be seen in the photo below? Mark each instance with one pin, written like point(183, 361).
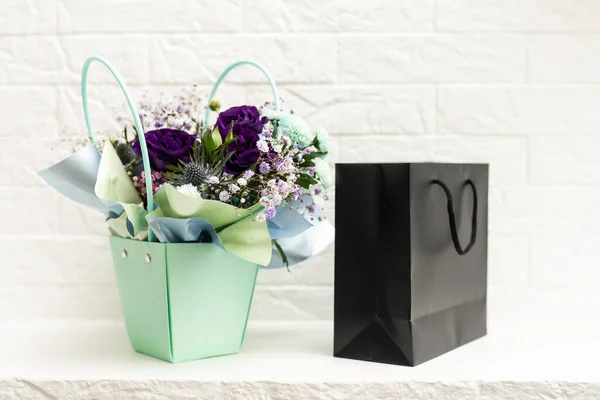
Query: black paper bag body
point(403, 293)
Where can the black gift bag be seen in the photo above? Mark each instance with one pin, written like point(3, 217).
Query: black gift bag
point(410, 260)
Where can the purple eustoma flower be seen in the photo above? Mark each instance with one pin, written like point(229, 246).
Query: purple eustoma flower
point(166, 147)
point(246, 125)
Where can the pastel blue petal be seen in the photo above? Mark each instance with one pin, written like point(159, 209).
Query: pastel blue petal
point(287, 223)
point(75, 177)
point(130, 228)
point(115, 212)
point(303, 246)
point(174, 230)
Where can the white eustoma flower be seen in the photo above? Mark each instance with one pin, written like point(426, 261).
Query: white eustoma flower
point(189, 190)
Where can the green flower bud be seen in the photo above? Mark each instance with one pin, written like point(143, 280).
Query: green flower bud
point(214, 105)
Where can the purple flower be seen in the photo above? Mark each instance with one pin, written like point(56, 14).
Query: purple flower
point(246, 124)
point(270, 212)
point(264, 167)
point(166, 147)
point(248, 174)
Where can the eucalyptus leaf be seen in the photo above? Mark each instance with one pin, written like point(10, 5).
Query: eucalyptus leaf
point(308, 178)
point(312, 156)
point(307, 163)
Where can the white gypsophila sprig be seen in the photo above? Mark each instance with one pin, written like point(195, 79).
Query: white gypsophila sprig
point(224, 196)
point(175, 112)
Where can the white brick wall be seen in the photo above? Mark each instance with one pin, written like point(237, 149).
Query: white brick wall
point(512, 82)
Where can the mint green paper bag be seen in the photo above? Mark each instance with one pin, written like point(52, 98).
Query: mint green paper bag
point(180, 301)
point(183, 301)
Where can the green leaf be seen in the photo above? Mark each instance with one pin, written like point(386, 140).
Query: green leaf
point(312, 156)
point(303, 183)
point(212, 140)
point(305, 180)
point(170, 175)
point(307, 163)
point(284, 258)
point(308, 178)
point(229, 138)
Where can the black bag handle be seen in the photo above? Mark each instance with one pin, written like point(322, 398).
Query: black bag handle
point(452, 218)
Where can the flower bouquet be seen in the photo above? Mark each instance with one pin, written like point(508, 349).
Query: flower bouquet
point(195, 208)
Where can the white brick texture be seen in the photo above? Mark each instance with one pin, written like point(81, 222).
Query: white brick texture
point(515, 83)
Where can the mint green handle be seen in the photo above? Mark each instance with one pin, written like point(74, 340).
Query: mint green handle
point(136, 120)
point(228, 70)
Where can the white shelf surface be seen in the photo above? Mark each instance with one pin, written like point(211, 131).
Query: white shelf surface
point(294, 360)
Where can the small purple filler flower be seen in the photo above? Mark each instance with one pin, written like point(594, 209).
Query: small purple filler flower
point(263, 168)
point(270, 212)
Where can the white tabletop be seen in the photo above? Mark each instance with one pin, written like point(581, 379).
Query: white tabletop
point(94, 359)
